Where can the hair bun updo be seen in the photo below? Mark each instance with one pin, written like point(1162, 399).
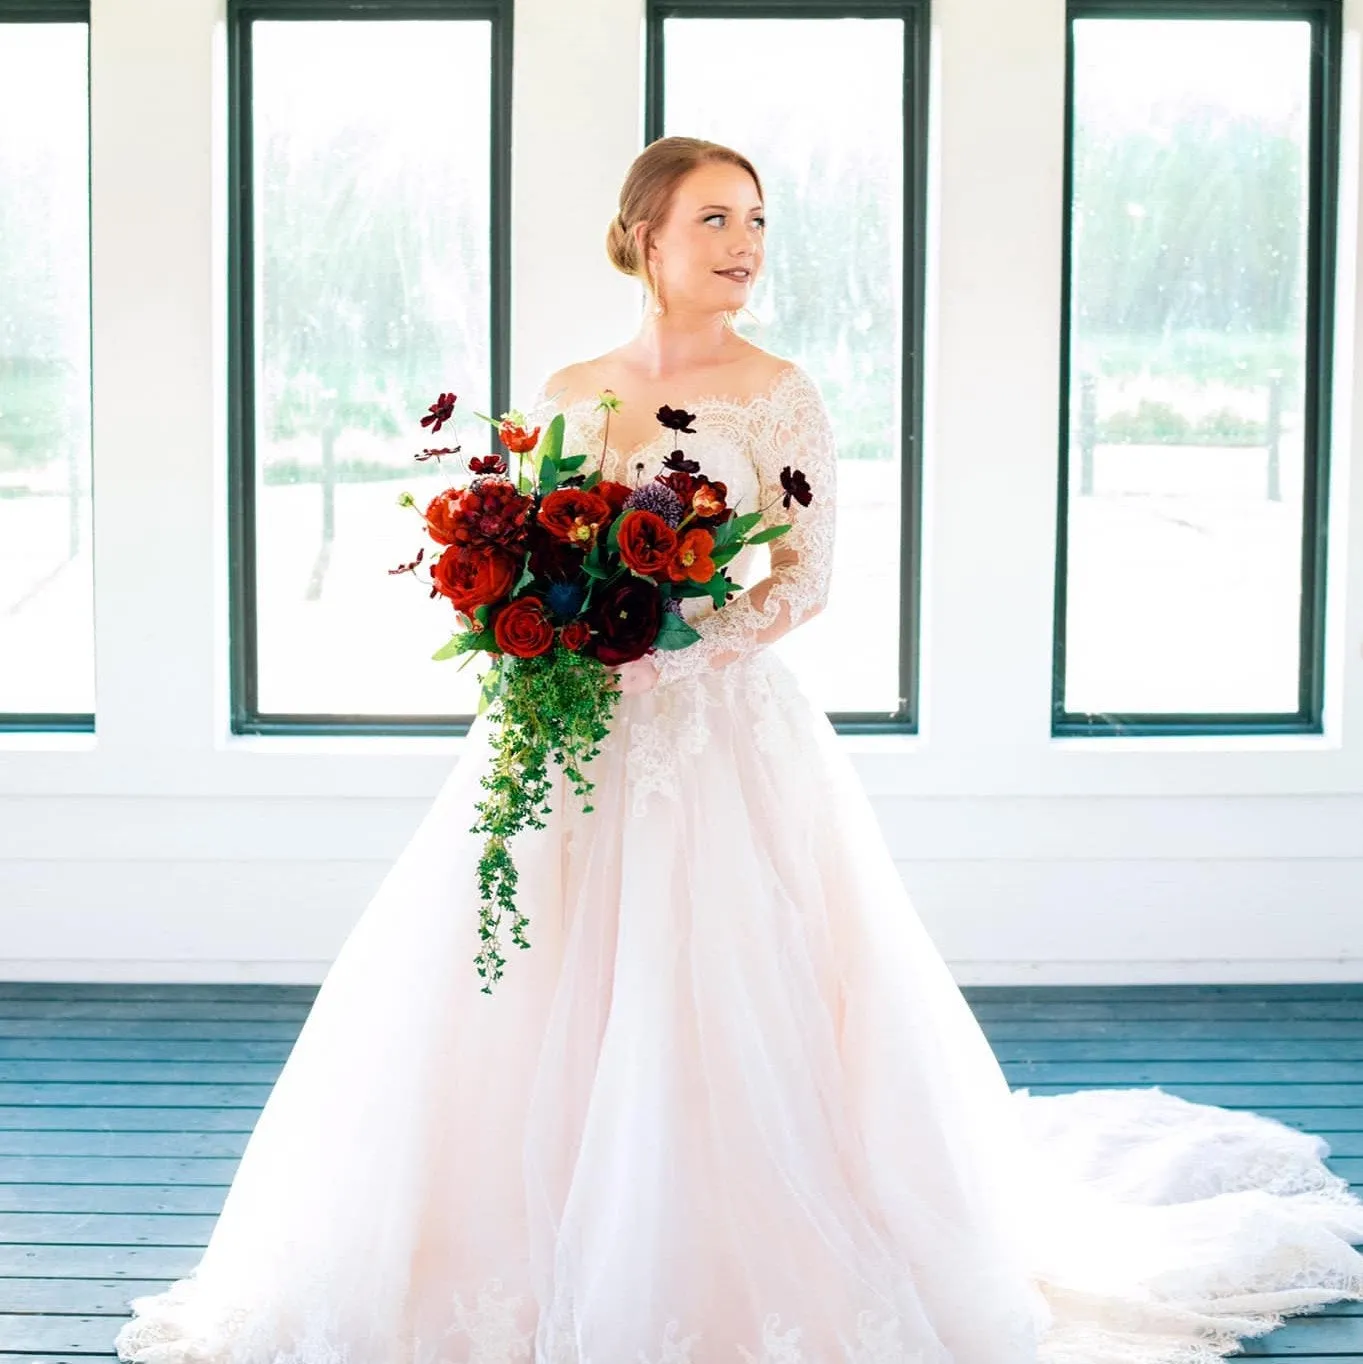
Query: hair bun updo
point(621, 248)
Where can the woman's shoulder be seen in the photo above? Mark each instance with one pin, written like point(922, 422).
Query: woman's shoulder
point(751, 374)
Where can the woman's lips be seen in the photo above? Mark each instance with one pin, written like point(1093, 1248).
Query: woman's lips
point(740, 279)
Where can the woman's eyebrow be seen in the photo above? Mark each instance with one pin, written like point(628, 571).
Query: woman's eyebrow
point(726, 208)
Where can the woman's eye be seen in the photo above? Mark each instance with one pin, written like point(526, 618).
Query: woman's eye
point(758, 219)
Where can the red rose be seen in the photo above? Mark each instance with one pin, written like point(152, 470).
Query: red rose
point(574, 515)
point(626, 617)
point(474, 577)
point(521, 628)
point(575, 635)
point(646, 542)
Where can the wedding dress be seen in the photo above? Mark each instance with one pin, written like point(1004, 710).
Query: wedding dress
point(730, 1106)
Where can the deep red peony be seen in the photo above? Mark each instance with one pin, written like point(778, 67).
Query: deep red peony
point(626, 618)
point(646, 542)
point(574, 515)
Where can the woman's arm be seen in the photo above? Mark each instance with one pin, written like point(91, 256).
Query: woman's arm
point(801, 437)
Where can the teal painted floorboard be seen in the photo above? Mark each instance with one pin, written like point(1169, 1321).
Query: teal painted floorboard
point(124, 1110)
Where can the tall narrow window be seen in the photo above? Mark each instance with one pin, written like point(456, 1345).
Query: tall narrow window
point(1201, 198)
point(829, 106)
point(369, 279)
point(47, 663)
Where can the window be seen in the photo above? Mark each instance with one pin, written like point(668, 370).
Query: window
point(369, 162)
point(1201, 143)
point(47, 655)
point(830, 106)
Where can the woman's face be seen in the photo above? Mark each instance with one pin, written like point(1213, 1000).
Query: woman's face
point(716, 224)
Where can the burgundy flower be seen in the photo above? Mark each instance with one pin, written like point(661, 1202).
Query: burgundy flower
point(681, 481)
point(410, 568)
point(553, 559)
point(485, 464)
point(489, 512)
point(793, 481)
point(435, 454)
point(678, 462)
point(625, 619)
point(677, 419)
point(442, 410)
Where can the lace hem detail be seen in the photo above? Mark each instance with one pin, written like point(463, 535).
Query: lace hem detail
point(499, 1328)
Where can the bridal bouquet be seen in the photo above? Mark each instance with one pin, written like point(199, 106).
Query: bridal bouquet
point(561, 575)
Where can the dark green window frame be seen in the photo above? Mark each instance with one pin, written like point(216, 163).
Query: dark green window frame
point(915, 16)
point(1324, 17)
point(246, 717)
point(49, 12)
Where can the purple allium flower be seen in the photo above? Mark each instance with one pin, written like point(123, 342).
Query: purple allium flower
point(659, 499)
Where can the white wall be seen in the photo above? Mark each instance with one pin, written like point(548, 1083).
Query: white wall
point(166, 848)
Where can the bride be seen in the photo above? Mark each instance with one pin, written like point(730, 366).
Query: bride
point(730, 1107)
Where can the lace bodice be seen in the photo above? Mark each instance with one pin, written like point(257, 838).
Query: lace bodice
point(745, 443)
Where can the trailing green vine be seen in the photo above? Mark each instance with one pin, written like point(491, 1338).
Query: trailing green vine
point(555, 705)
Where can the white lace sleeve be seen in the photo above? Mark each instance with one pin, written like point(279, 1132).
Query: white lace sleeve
point(799, 436)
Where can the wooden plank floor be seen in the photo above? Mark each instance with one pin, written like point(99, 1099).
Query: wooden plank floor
point(124, 1110)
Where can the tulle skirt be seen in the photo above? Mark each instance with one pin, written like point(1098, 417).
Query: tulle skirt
point(728, 1108)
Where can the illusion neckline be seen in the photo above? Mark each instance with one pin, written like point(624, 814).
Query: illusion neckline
point(703, 403)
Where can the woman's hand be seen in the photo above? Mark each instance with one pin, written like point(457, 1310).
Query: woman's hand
point(638, 675)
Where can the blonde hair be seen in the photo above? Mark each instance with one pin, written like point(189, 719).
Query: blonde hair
point(646, 197)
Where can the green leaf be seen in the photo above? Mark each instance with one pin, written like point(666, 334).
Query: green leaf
point(769, 533)
point(526, 576)
point(719, 587)
point(687, 588)
point(743, 524)
point(675, 633)
point(722, 556)
point(592, 478)
point(550, 445)
point(613, 535)
point(724, 534)
point(571, 462)
point(456, 644)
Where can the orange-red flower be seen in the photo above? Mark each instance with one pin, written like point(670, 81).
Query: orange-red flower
point(692, 559)
point(442, 513)
point(575, 635)
point(708, 499)
point(646, 542)
point(521, 628)
point(474, 577)
point(574, 515)
point(516, 438)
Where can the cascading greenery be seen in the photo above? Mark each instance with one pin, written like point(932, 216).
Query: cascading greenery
point(556, 705)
